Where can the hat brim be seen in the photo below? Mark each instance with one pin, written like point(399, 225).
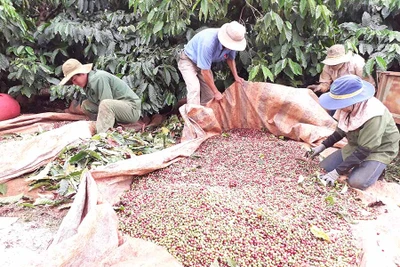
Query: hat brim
point(338, 60)
point(82, 69)
point(226, 41)
point(329, 103)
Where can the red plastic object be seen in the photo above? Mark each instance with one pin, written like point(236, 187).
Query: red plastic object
point(9, 107)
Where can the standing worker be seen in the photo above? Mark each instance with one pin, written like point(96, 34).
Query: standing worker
point(208, 46)
point(109, 99)
point(339, 63)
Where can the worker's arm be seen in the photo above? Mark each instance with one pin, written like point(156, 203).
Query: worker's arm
point(232, 65)
point(208, 78)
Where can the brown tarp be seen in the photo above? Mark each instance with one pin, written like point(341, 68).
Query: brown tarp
point(30, 123)
point(89, 231)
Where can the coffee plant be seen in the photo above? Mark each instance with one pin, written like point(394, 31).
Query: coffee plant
point(139, 40)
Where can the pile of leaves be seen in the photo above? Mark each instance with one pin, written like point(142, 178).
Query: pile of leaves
point(62, 175)
point(245, 198)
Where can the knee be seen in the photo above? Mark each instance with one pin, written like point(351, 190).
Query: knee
point(358, 183)
point(87, 107)
point(327, 166)
point(105, 105)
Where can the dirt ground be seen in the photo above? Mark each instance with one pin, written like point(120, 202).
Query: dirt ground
point(26, 231)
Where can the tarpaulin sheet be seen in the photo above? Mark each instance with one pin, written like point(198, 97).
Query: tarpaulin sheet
point(30, 123)
point(90, 227)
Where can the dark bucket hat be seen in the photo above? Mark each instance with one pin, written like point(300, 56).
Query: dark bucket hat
point(346, 91)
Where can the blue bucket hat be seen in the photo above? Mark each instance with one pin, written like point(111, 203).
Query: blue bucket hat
point(346, 91)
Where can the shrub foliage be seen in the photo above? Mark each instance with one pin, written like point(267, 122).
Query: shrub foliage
point(138, 40)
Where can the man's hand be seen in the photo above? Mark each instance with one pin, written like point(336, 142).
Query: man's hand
point(317, 150)
point(330, 177)
point(239, 80)
point(74, 108)
point(218, 96)
point(314, 87)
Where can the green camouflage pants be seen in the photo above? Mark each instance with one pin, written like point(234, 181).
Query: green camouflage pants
point(110, 111)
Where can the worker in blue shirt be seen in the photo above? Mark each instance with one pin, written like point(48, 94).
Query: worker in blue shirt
point(208, 46)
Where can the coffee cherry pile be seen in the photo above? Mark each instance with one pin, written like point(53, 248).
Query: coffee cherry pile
point(238, 201)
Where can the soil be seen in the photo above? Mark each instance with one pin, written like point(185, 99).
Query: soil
point(26, 231)
point(41, 103)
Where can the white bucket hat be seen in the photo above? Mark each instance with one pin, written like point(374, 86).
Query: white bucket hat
point(336, 54)
point(72, 67)
point(232, 36)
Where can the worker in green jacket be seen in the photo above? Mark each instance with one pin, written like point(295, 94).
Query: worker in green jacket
point(109, 99)
point(372, 135)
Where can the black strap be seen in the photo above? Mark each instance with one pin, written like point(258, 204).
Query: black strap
point(333, 139)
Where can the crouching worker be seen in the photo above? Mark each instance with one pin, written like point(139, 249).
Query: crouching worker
point(373, 138)
point(109, 99)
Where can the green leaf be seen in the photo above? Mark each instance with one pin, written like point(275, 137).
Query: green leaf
point(253, 72)
point(284, 50)
point(381, 63)
point(15, 89)
point(318, 12)
point(43, 201)
point(289, 73)
point(204, 8)
point(52, 80)
point(369, 66)
point(288, 32)
point(3, 189)
point(267, 73)
point(150, 16)
point(39, 185)
point(295, 67)
point(279, 66)
point(311, 5)
point(159, 25)
point(152, 94)
point(42, 174)
point(319, 233)
point(94, 49)
point(300, 57)
point(175, 75)
point(94, 154)
point(303, 5)
point(29, 50)
point(20, 49)
point(78, 157)
point(27, 205)
point(11, 199)
point(330, 200)
point(167, 76)
point(278, 20)
point(326, 13)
